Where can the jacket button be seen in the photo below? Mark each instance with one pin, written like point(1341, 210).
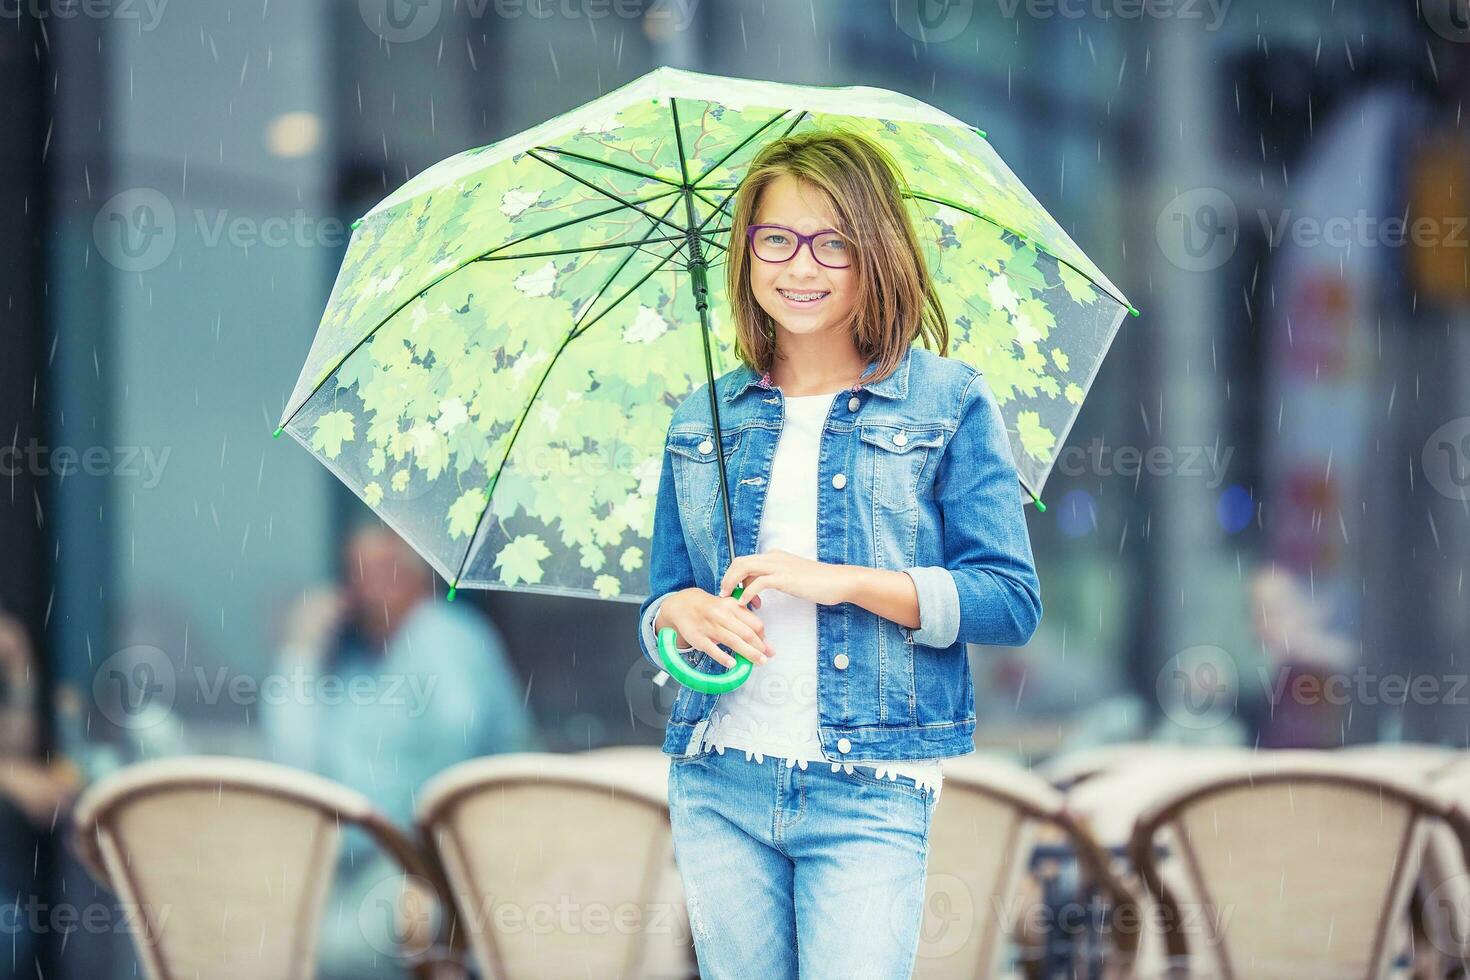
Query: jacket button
point(706, 447)
point(840, 661)
point(843, 745)
point(853, 403)
point(900, 440)
point(839, 481)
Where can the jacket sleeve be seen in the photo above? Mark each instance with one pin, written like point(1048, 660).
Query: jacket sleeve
point(669, 569)
point(986, 591)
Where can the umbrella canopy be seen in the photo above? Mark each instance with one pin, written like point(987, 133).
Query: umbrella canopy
point(512, 329)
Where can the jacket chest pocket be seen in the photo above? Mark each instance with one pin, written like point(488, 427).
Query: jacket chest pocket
point(894, 456)
point(697, 483)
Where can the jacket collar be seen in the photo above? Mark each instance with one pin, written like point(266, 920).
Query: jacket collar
point(896, 385)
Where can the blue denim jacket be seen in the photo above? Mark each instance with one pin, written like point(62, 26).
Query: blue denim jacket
point(916, 475)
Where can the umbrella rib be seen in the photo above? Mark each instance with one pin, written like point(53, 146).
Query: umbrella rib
point(572, 221)
point(459, 268)
point(510, 446)
point(613, 276)
point(608, 165)
point(601, 289)
point(490, 491)
point(1024, 237)
point(679, 141)
point(618, 271)
point(718, 206)
point(584, 248)
point(743, 143)
point(638, 245)
point(629, 291)
point(621, 200)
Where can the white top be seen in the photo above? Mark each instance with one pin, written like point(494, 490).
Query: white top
point(775, 711)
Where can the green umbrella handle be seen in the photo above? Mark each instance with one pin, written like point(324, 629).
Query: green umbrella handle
point(697, 680)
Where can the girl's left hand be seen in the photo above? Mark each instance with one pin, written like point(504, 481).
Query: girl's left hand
point(801, 578)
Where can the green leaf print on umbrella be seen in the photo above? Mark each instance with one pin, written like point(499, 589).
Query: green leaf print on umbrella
point(511, 329)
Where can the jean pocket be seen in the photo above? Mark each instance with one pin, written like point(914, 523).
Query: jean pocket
point(901, 784)
point(896, 455)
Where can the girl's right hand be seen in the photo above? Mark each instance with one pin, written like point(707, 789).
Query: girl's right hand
point(704, 621)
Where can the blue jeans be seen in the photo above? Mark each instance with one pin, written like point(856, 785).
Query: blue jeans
point(790, 872)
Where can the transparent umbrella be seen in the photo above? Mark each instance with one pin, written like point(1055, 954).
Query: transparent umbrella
point(512, 329)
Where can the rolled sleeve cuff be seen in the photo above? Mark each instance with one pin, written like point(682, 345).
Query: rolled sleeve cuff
point(650, 639)
point(939, 606)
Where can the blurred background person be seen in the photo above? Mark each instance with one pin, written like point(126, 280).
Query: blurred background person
point(33, 795)
point(382, 688)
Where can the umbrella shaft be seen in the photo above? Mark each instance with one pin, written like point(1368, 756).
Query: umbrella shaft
point(700, 284)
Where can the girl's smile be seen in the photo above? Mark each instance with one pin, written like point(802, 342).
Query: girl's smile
point(803, 299)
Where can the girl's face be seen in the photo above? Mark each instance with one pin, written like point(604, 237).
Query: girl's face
point(801, 294)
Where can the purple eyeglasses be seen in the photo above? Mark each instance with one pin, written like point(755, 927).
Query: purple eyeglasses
point(783, 247)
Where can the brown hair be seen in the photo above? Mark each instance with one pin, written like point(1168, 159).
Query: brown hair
point(865, 189)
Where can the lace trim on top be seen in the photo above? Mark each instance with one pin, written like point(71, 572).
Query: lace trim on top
point(799, 749)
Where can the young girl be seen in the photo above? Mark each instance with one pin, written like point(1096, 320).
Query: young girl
point(878, 527)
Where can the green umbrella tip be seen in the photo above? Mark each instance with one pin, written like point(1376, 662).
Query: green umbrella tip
point(981, 133)
point(1040, 507)
point(1133, 310)
point(277, 434)
point(449, 597)
point(356, 223)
